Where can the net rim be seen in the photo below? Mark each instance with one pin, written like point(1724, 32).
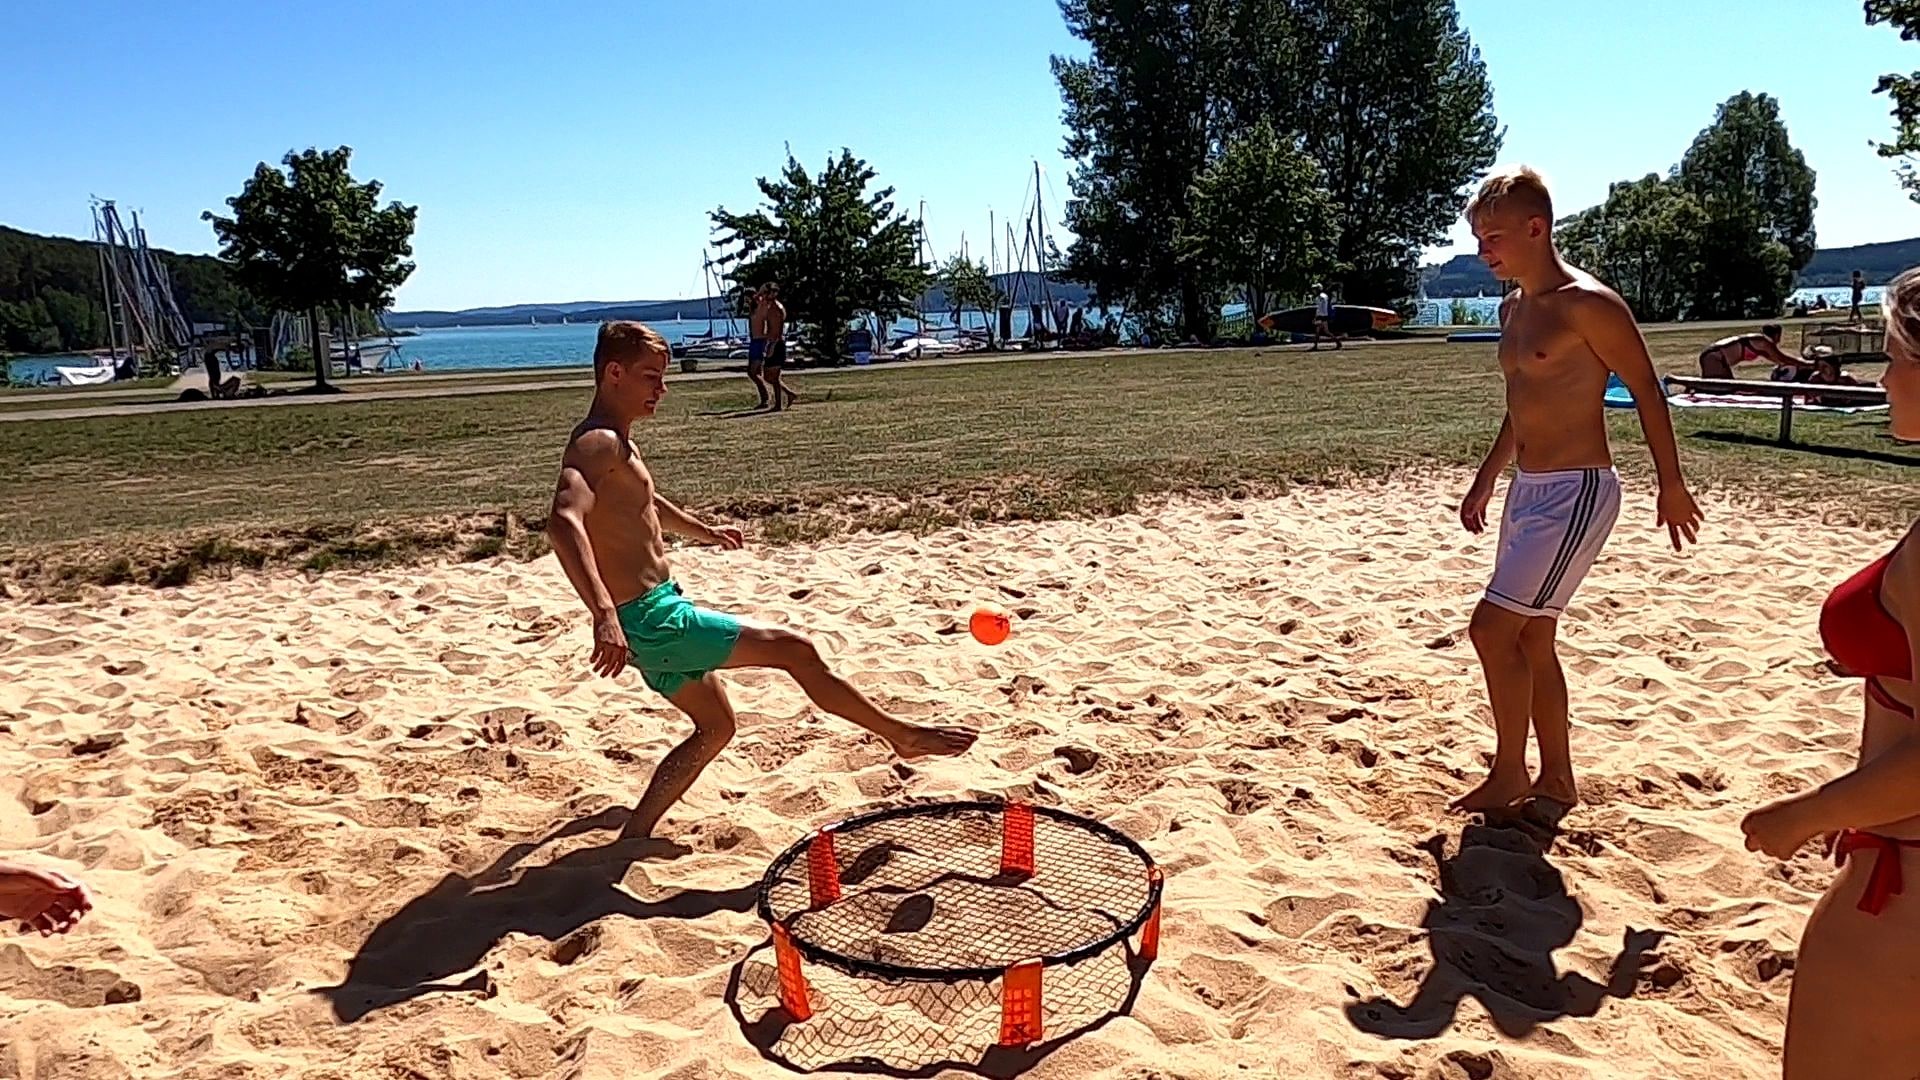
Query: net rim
point(855, 966)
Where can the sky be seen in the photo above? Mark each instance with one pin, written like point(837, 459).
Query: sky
point(573, 151)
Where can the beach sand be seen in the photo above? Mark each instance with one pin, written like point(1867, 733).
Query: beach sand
point(286, 794)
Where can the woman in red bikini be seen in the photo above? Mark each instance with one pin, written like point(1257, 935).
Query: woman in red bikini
point(1855, 1007)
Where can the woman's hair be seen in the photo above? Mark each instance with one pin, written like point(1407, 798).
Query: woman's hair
point(1772, 330)
point(1902, 309)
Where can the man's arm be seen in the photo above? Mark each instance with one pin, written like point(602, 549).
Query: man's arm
point(1605, 321)
point(589, 459)
point(680, 523)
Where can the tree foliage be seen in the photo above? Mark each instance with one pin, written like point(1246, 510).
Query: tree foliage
point(968, 286)
point(1263, 224)
point(50, 293)
point(314, 239)
point(1388, 97)
point(1903, 92)
point(835, 250)
point(1757, 194)
point(1644, 241)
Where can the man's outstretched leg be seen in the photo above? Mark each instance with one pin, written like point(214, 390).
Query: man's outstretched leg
point(776, 647)
point(705, 702)
point(1496, 634)
point(1549, 707)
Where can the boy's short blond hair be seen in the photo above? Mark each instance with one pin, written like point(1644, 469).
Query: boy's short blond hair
point(1518, 188)
point(624, 342)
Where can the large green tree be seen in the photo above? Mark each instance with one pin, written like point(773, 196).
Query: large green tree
point(1644, 241)
point(313, 239)
point(1388, 97)
point(1757, 193)
point(1263, 224)
point(835, 250)
point(1903, 92)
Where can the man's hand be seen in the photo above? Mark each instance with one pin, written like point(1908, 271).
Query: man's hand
point(728, 537)
point(610, 652)
point(1679, 514)
point(1473, 508)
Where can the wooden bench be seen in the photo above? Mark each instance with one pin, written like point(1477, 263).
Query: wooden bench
point(1784, 391)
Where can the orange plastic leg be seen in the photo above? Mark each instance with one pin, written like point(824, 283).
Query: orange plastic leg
point(1020, 1004)
point(1150, 935)
point(793, 982)
point(823, 870)
point(1016, 840)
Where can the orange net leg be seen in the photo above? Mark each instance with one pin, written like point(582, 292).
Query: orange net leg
point(1020, 1004)
point(1150, 935)
point(793, 982)
point(823, 870)
point(1016, 840)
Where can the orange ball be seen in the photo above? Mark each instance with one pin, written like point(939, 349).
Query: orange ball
point(990, 625)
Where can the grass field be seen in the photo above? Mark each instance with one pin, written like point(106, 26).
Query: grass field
point(157, 497)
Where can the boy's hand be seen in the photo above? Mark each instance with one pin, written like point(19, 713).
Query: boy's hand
point(728, 537)
point(1780, 828)
point(1473, 508)
point(610, 652)
point(1679, 514)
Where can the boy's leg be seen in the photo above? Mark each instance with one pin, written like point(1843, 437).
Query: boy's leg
point(1550, 724)
point(776, 647)
point(705, 702)
point(1496, 634)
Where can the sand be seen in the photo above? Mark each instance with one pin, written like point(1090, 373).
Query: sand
point(309, 807)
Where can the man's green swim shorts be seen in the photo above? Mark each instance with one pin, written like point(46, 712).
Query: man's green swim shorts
point(673, 642)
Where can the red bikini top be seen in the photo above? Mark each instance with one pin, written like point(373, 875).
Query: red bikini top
point(1863, 637)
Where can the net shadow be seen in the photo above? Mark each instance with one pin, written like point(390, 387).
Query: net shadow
point(920, 1029)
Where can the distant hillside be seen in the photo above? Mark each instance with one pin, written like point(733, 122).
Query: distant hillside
point(1026, 285)
point(50, 298)
point(1464, 275)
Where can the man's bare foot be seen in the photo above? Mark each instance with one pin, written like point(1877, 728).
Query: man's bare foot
point(46, 901)
point(918, 742)
point(1496, 792)
point(1556, 789)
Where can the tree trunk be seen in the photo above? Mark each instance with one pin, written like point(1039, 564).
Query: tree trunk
point(322, 353)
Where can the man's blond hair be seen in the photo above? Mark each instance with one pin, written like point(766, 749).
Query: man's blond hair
point(1518, 188)
point(625, 342)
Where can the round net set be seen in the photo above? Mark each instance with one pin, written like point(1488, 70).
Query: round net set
point(934, 932)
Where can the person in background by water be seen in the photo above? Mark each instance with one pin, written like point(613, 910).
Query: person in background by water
point(1718, 359)
point(1855, 991)
point(1323, 318)
point(1859, 293)
point(775, 328)
point(757, 343)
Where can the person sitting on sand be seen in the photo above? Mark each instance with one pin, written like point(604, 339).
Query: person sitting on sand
point(1717, 360)
point(43, 900)
point(1562, 332)
point(1854, 994)
point(608, 526)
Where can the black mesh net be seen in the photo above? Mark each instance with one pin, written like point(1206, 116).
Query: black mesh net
point(906, 966)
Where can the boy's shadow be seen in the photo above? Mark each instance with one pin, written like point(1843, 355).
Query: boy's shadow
point(447, 931)
point(1503, 910)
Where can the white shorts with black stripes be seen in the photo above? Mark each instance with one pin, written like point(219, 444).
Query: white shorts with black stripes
point(1551, 531)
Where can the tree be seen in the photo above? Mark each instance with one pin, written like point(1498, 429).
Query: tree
point(968, 287)
point(1758, 196)
point(1644, 241)
point(1263, 224)
point(835, 251)
point(1902, 90)
point(312, 239)
point(1389, 97)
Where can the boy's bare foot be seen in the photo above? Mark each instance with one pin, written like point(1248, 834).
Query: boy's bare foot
point(1496, 792)
point(918, 742)
point(1557, 789)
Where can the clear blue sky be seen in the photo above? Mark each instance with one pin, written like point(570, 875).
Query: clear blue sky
point(572, 153)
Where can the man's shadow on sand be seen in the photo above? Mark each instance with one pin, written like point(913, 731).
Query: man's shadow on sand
point(445, 933)
point(1503, 910)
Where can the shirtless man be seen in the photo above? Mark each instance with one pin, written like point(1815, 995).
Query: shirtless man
point(43, 900)
point(608, 527)
point(757, 343)
point(774, 326)
point(1561, 333)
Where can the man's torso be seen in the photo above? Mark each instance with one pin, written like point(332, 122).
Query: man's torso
point(1556, 385)
point(624, 529)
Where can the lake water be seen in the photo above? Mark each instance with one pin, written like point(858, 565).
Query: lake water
point(571, 344)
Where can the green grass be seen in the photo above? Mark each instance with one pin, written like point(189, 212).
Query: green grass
point(161, 497)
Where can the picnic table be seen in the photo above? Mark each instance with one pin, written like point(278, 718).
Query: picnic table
point(1785, 391)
